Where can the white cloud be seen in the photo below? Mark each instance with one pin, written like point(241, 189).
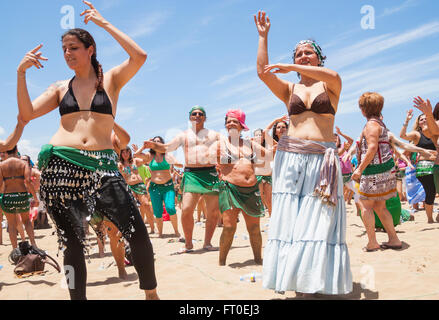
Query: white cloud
point(372, 46)
point(404, 5)
point(149, 24)
point(229, 77)
point(2, 131)
point(125, 113)
point(27, 147)
point(109, 4)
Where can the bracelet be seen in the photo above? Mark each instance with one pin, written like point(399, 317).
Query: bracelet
point(405, 124)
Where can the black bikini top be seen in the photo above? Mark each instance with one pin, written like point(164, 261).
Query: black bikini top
point(100, 103)
point(321, 105)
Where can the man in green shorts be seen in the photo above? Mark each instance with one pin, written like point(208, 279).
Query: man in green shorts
point(15, 174)
point(200, 175)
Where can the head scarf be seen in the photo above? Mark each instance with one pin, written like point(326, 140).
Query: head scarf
point(316, 49)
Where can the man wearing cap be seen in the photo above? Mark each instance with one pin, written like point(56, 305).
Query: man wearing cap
point(200, 175)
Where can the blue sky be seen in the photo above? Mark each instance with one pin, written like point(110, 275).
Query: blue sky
point(204, 52)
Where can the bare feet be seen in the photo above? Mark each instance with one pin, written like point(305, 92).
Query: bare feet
point(371, 247)
point(123, 274)
point(395, 245)
point(151, 295)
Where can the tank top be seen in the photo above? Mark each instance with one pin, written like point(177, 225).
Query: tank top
point(384, 152)
point(157, 166)
point(346, 166)
point(425, 143)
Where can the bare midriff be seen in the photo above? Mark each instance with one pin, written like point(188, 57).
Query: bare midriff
point(85, 130)
point(160, 176)
point(312, 126)
point(240, 173)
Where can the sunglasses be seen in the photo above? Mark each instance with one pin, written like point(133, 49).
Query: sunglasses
point(194, 114)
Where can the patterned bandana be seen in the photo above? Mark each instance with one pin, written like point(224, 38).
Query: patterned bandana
point(315, 47)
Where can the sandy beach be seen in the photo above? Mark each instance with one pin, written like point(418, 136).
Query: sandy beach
point(410, 273)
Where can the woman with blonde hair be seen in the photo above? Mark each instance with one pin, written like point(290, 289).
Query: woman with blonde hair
point(422, 137)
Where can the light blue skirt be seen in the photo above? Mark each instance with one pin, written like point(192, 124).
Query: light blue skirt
point(306, 249)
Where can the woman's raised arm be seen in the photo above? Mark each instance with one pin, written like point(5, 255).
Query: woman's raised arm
point(279, 87)
point(122, 73)
point(43, 104)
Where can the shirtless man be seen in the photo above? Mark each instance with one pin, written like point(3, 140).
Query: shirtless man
point(15, 174)
point(200, 175)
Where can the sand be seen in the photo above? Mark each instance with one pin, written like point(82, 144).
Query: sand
point(410, 273)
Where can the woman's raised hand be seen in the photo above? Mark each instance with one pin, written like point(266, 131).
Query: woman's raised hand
point(283, 119)
point(278, 68)
point(422, 105)
point(409, 115)
point(262, 23)
point(93, 15)
point(32, 58)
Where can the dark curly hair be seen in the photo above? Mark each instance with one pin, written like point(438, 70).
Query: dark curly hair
point(273, 132)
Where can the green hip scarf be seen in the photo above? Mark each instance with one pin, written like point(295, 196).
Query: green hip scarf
point(424, 168)
point(139, 188)
point(17, 202)
point(346, 177)
point(248, 199)
point(266, 179)
point(372, 169)
point(103, 160)
point(200, 181)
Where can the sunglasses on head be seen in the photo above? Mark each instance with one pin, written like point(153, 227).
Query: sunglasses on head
point(197, 114)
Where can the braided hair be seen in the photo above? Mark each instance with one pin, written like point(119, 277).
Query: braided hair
point(86, 38)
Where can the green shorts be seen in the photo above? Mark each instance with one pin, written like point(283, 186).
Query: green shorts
point(15, 202)
point(200, 180)
point(248, 199)
point(162, 193)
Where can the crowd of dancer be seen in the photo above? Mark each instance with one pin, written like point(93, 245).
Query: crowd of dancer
point(296, 170)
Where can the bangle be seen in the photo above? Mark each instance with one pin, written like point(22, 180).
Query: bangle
point(405, 124)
